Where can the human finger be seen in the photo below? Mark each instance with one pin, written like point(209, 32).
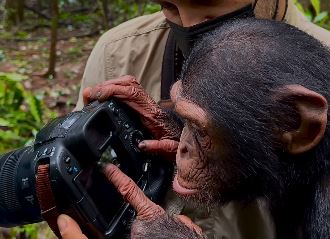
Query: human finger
point(69, 228)
point(145, 208)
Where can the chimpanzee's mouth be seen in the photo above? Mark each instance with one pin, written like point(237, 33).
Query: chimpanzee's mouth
point(180, 189)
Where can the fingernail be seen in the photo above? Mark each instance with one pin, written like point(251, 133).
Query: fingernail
point(62, 223)
point(142, 145)
point(98, 94)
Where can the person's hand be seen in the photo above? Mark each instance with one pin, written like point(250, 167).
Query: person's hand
point(162, 126)
point(69, 229)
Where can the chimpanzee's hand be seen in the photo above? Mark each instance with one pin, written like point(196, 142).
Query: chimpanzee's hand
point(152, 221)
point(161, 125)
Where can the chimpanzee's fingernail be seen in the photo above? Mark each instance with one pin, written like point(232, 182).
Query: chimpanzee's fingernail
point(98, 94)
point(142, 145)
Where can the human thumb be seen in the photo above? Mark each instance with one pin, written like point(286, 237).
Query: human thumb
point(69, 229)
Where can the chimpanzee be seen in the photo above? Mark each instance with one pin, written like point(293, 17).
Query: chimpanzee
point(253, 96)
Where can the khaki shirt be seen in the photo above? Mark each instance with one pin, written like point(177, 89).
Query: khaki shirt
point(136, 48)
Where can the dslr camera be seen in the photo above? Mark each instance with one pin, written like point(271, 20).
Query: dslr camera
point(72, 147)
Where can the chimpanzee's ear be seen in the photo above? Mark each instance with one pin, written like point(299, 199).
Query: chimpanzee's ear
point(312, 110)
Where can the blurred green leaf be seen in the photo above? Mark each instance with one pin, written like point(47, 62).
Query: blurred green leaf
point(12, 77)
point(321, 17)
point(316, 5)
point(35, 107)
point(5, 123)
point(22, 113)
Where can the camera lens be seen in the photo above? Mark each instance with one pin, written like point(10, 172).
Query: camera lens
point(8, 174)
point(13, 211)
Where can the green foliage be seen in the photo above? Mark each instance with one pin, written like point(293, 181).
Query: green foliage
point(21, 112)
point(314, 13)
point(21, 116)
point(124, 10)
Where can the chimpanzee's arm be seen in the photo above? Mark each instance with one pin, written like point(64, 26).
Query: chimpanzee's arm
point(152, 220)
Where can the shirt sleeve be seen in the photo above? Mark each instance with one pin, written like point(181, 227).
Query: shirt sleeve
point(94, 72)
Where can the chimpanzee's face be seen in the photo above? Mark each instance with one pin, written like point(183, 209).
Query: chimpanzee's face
point(200, 154)
point(211, 169)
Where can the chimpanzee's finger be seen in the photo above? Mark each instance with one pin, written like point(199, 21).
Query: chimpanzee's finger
point(163, 146)
point(86, 95)
point(189, 223)
point(118, 91)
point(126, 80)
point(69, 229)
point(95, 93)
point(145, 208)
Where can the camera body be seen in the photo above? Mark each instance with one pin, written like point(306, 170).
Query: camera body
point(73, 146)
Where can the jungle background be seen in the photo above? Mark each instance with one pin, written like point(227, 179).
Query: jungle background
point(44, 46)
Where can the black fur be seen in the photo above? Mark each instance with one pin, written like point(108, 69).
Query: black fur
point(163, 227)
point(233, 74)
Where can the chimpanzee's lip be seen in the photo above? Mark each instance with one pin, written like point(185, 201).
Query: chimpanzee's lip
point(181, 189)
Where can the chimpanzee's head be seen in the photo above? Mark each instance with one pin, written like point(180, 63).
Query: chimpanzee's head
point(254, 97)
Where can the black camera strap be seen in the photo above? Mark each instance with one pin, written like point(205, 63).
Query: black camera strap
point(46, 199)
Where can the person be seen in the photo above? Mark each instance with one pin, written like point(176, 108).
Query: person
point(152, 49)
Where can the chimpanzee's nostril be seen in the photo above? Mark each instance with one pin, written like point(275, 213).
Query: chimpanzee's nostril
point(183, 150)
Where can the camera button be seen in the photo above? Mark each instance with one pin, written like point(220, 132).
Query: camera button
point(69, 170)
point(72, 170)
point(48, 151)
point(67, 160)
point(115, 111)
point(25, 183)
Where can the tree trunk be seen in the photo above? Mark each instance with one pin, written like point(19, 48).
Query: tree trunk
point(103, 5)
point(10, 14)
point(53, 42)
point(39, 4)
point(20, 10)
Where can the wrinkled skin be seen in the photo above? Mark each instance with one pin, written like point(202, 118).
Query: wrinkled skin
point(149, 215)
point(198, 148)
point(128, 90)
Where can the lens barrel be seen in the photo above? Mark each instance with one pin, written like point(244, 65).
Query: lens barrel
point(12, 211)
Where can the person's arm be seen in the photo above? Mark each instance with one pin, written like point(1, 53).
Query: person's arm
point(94, 71)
